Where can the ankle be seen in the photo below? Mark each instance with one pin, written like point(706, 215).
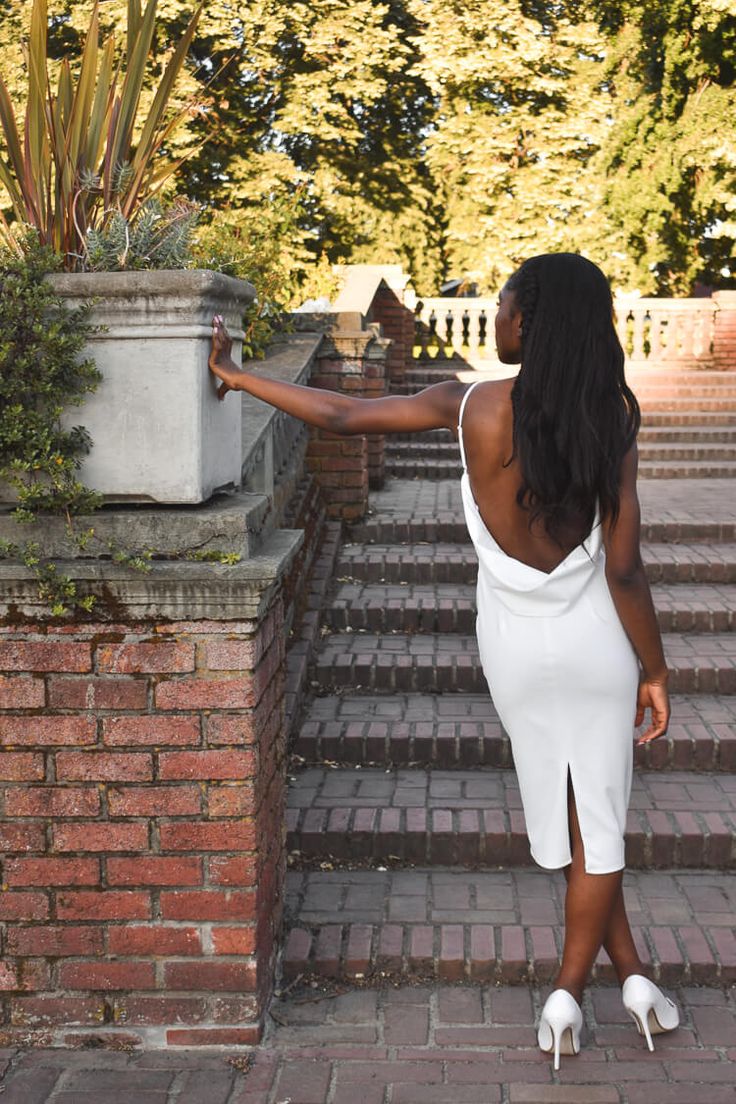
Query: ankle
point(575, 991)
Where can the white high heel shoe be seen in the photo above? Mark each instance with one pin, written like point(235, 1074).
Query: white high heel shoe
point(559, 1026)
point(649, 1008)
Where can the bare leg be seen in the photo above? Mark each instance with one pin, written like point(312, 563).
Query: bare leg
point(618, 941)
point(591, 902)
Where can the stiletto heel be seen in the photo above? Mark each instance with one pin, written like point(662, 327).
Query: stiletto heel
point(559, 1025)
point(651, 1011)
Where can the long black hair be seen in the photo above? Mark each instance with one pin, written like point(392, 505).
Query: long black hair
point(574, 415)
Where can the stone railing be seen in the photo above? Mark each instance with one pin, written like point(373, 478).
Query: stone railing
point(655, 331)
point(663, 332)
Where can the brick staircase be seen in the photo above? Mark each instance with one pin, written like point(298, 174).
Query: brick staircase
point(408, 854)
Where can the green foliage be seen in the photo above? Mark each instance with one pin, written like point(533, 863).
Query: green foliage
point(42, 370)
point(159, 236)
point(86, 153)
point(452, 136)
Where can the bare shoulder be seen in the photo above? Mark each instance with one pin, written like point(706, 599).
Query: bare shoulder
point(489, 404)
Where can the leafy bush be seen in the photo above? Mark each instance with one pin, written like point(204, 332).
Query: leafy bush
point(42, 371)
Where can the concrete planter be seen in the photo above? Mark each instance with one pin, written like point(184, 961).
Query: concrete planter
point(159, 432)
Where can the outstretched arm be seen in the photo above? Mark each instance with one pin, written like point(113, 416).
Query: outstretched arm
point(435, 407)
point(629, 587)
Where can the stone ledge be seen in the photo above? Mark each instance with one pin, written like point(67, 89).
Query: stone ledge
point(169, 591)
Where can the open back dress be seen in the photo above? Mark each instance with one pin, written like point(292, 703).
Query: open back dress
point(563, 676)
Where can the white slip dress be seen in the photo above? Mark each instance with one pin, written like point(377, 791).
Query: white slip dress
point(563, 676)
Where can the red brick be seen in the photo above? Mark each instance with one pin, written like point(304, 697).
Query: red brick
point(100, 837)
point(214, 1036)
point(50, 1010)
point(55, 942)
point(51, 871)
point(234, 728)
point(155, 729)
point(231, 801)
point(104, 766)
point(233, 693)
point(15, 905)
point(234, 941)
point(155, 870)
point(20, 692)
point(107, 975)
point(21, 766)
point(222, 835)
point(239, 871)
point(208, 904)
point(109, 904)
point(51, 801)
point(59, 655)
point(130, 939)
point(208, 974)
point(28, 974)
point(21, 837)
point(158, 657)
point(203, 765)
point(154, 801)
point(159, 1010)
point(234, 655)
point(98, 693)
point(48, 730)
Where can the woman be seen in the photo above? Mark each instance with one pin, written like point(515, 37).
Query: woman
point(567, 631)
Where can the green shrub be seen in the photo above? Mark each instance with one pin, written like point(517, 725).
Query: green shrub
point(42, 371)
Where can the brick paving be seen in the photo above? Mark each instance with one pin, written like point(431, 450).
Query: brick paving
point(417, 1044)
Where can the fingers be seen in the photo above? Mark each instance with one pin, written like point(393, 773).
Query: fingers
point(657, 728)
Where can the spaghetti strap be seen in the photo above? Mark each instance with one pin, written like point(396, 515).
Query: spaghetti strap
point(465, 398)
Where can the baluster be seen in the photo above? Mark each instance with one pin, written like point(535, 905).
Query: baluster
point(658, 337)
point(465, 325)
point(482, 329)
point(434, 337)
point(421, 333)
point(450, 336)
point(638, 336)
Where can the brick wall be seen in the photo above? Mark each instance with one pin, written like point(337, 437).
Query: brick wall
point(724, 342)
point(142, 795)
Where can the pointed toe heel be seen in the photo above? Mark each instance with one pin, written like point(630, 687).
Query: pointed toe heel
point(652, 1012)
point(559, 1026)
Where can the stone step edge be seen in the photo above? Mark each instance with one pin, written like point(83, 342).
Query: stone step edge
point(419, 613)
point(473, 743)
point(389, 672)
point(503, 953)
point(449, 526)
point(359, 837)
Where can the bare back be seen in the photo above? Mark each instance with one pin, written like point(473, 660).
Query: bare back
point(487, 426)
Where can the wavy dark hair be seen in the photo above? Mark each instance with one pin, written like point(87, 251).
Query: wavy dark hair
point(574, 415)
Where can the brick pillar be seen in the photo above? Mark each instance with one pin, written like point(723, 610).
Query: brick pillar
point(724, 340)
point(143, 788)
point(352, 360)
point(397, 324)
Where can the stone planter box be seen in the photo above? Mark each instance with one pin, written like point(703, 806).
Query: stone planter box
point(159, 432)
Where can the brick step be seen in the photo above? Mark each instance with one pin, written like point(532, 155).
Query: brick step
point(448, 607)
point(687, 510)
point(435, 451)
point(503, 926)
point(441, 662)
point(650, 468)
point(463, 730)
point(360, 817)
point(454, 562)
point(697, 434)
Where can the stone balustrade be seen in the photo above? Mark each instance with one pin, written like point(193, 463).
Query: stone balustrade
point(687, 333)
